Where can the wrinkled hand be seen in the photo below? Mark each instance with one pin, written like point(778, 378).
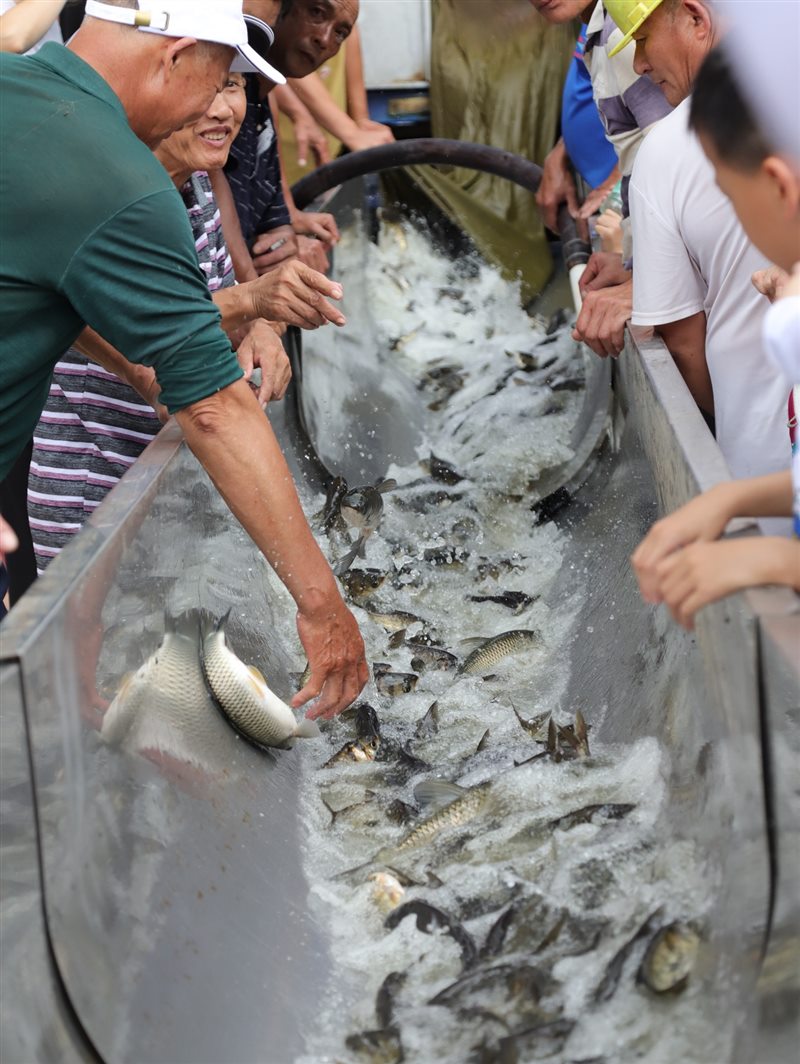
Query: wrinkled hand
point(294, 293)
point(609, 229)
point(263, 258)
point(703, 519)
point(261, 348)
point(792, 286)
point(312, 253)
point(705, 572)
point(311, 141)
point(556, 187)
point(370, 135)
point(321, 226)
point(337, 657)
point(770, 282)
point(603, 270)
point(601, 322)
point(594, 200)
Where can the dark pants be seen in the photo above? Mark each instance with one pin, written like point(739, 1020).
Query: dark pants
point(21, 564)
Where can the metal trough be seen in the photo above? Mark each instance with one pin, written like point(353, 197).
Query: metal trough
point(155, 910)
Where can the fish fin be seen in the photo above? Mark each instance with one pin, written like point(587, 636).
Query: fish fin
point(184, 624)
point(437, 793)
point(483, 742)
point(386, 485)
point(257, 674)
point(205, 623)
point(307, 729)
point(580, 726)
point(344, 563)
point(473, 641)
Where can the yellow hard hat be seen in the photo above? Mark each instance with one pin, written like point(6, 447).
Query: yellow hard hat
point(629, 15)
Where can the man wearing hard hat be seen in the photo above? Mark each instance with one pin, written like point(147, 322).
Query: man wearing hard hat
point(692, 259)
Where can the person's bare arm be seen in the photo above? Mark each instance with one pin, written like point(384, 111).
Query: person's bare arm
point(307, 134)
point(26, 23)
point(231, 228)
point(320, 103)
point(704, 518)
point(686, 342)
point(234, 442)
point(291, 293)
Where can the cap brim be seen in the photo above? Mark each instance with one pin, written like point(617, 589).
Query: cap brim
point(248, 61)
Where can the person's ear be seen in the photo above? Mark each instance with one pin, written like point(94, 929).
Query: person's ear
point(785, 184)
point(702, 26)
point(174, 52)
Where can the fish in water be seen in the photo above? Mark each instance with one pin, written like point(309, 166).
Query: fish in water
point(396, 621)
point(376, 1047)
point(242, 695)
point(360, 582)
point(670, 958)
point(429, 918)
point(533, 726)
point(429, 724)
point(609, 811)
point(385, 998)
point(483, 659)
point(431, 657)
point(387, 892)
point(441, 471)
point(356, 750)
point(362, 509)
point(330, 514)
point(516, 601)
point(613, 973)
point(395, 683)
point(462, 805)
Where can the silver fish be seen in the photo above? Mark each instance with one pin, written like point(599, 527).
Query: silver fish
point(670, 958)
point(396, 621)
point(395, 683)
point(362, 508)
point(462, 806)
point(242, 695)
point(486, 656)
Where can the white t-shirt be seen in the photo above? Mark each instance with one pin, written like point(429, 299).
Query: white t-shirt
point(690, 254)
point(782, 343)
point(53, 34)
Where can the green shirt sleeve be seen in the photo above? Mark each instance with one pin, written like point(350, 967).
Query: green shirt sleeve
point(136, 280)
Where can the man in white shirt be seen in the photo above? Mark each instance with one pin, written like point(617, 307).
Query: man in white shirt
point(692, 259)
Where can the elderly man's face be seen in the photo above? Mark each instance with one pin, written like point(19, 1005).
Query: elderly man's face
point(558, 11)
point(671, 45)
point(196, 76)
point(311, 34)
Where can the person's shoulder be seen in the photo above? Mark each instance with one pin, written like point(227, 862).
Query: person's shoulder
point(667, 143)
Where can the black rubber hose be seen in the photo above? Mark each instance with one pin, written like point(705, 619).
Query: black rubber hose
point(433, 150)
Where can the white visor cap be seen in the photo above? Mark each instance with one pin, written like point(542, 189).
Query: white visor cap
point(220, 22)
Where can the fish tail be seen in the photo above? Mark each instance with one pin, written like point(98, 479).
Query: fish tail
point(344, 563)
point(205, 623)
point(307, 729)
point(187, 624)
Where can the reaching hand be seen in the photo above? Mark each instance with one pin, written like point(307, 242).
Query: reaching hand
point(556, 187)
point(261, 348)
point(603, 270)
point(601, 322)
point(272, 248)
point(321, 226)
point(770, 282)
point(336, 654)
point(294, 293)
point(701, 520)
point(312, 253)
point(311, 141)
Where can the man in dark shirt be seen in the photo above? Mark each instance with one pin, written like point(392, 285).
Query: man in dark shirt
point(94, 232)
point(307, 34)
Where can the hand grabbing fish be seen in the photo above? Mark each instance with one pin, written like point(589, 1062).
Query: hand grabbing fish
point(362, 509)
point(241, 693)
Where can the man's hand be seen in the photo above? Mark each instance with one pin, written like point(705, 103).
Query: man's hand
point(312, 253)
point(369, 135)
point(603, 270)
point(261, 348)
point(601, 322)
point(336, 654)
point(706, 572)
point(321, 226)
point(556, 187)
point(594, 200)
point(609, 229)
point(770, 282)
point(271, 249)
point(294, 293)
point(701, 520)
point(311, 141)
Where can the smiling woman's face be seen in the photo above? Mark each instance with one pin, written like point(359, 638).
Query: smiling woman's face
point(205, 144)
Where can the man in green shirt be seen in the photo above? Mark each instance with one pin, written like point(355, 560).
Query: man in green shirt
point(92, 232)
